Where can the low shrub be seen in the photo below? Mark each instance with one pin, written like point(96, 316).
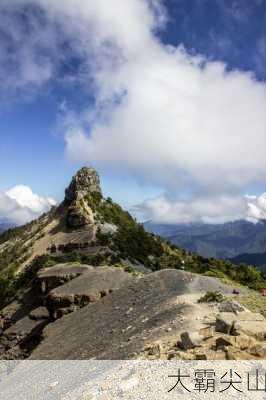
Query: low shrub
point(211, 297)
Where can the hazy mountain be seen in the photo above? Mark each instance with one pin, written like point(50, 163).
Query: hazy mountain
point(258, 259)
point(4, 226)
point(223, 241)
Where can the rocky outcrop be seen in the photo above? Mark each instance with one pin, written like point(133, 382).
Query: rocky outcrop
point(238, 336)
point(88, 288)
point(85, 181)
point(79, 214)
point(51, 277)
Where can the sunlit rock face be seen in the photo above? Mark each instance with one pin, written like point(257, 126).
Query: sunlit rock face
point(84, 182)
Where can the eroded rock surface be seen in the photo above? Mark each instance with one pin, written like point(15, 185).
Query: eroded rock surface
point(87, 288)
point(86, 180)
point(59, 274)
point(120, 325)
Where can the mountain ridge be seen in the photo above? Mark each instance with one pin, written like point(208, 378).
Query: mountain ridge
point(222, 240)
point(86, 256)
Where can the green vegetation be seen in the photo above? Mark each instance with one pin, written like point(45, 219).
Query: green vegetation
point(131, 240)
point(128, 268)
point(254, 301)
point(243, 274)
point(211, 297)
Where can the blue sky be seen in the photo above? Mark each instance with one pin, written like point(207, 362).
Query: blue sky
point(47, 77)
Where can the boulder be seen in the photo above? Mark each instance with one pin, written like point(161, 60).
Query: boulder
point(108, 229)
point(21, 336)
point(255, 329)
point(228, 322)
point(154, 349)
point(39, 313)
point(244, 342)
point(190, 340)
point(224, 322)
point(231, 306)
point(235, 354)
point(207, 332)
point(23, 328)
point(224, 341)
point(259, 349)
point(250, 316)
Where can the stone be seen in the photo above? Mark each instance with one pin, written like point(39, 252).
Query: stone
point(255, 329)
point(259, 350)
point(216, 355)
point(224, 322)
point(207, 332)
point(243, 342)
point(190, 340)
point(39, 313)
point(231, 306)
point(224, 341)
point(200, 354)
point(108, 229)
point(250, 316)
point(154, 349)
point(236, 354)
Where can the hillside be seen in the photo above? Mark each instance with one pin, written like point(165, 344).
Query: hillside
point(220, 240)
point(89, 260)
point(258, 259)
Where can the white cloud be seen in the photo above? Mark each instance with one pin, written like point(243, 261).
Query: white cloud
point(180, 122)
point(20, 205)
point(256, 207)
point(206, 209)
point(168, 117)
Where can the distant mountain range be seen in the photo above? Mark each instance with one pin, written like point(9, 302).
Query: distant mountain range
point(240, 241)
point(4, 226)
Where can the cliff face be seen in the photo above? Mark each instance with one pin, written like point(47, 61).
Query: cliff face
point(85, 181)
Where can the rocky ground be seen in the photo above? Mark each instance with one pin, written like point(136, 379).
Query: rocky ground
point(108, 313)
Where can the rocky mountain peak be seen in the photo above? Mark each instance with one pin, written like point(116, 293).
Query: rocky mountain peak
point(85, 181)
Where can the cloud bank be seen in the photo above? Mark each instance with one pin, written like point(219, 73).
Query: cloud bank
point(205, 209)
point(20, 205)
point(178, 121)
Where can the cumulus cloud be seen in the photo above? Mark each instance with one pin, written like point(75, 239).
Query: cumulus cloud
point(205, 209)
point(178, 121)
point(256, 207)
point(167, 116)
point(20, 205)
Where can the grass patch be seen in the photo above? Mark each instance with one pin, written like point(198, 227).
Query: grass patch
point(212, 297)
point(255, 302)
